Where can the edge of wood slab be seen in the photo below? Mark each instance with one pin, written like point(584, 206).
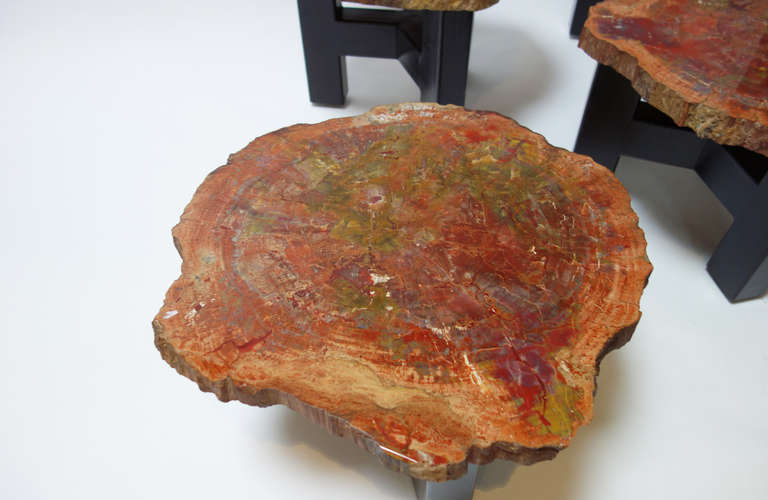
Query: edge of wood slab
point(706, 121)
point(465, 5)
point(225, 390)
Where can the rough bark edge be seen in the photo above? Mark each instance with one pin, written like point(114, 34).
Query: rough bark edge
point(226, 390)
point(706, 121)
point(465, 5)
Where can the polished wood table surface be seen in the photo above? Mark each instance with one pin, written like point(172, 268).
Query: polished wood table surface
point(466, 5)
point(702, 62)
point(437, 284)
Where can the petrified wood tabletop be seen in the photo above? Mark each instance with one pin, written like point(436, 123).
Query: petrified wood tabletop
point(468, 5)
point(438, 284)
point(702, 62)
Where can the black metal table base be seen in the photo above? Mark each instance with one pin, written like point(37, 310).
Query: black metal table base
point(617, 122)
point(458, 489)
point(433, 46)
point(580, 16)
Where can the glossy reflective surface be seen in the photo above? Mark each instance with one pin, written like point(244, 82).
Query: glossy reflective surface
point(440, 280)
point(708, 52)
point(470, 5)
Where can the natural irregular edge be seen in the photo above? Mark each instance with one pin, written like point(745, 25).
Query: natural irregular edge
point(226, 390)
point(458, 5)
point(706, 121)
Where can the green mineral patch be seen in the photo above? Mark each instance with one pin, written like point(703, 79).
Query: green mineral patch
point(361, 228)
point(317, 167)
point(559, 411)
point(349, 296)
point(257, 223)
point(341, 189)
point(371, 303)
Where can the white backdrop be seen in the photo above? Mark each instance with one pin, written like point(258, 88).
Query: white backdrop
point(111, 113)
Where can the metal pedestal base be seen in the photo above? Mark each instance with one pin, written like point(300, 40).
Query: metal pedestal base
point(616, 122)
point(458, 489)
point(433, 46)
point(580, 16)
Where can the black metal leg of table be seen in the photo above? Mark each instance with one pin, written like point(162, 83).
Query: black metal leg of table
point(444, 56)
point(731, 173)
point(610, 107)
point(433, 46)
point(617, 122)
point(325, 64)
point(653, 136)
point(739, 265)
point(580, 16)
point(458, 489)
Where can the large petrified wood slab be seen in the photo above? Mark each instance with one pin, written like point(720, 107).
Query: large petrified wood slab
point(702, 62)
point(470, 5)
point(438, 284)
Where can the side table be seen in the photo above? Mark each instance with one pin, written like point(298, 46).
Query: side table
point(430, 38)
point(669, 66)
point(437, 284)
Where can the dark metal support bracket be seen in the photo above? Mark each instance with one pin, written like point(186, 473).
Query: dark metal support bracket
point(580, 16)
point(458, 489)
point(433, 47)
point(617, 122)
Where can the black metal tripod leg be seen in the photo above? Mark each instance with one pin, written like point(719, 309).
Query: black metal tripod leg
point(739, 265)
point(610, 107)
point(458, 489)
point(445, 56)
point(580, 16)
point(326, 67)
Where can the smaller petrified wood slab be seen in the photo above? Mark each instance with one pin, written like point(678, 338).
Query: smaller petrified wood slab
point(470, 5)
point(702, 62)
point(439, 284)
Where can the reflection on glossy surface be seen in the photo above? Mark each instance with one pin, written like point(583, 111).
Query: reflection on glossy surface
point(437, 278)
point(470, 5)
